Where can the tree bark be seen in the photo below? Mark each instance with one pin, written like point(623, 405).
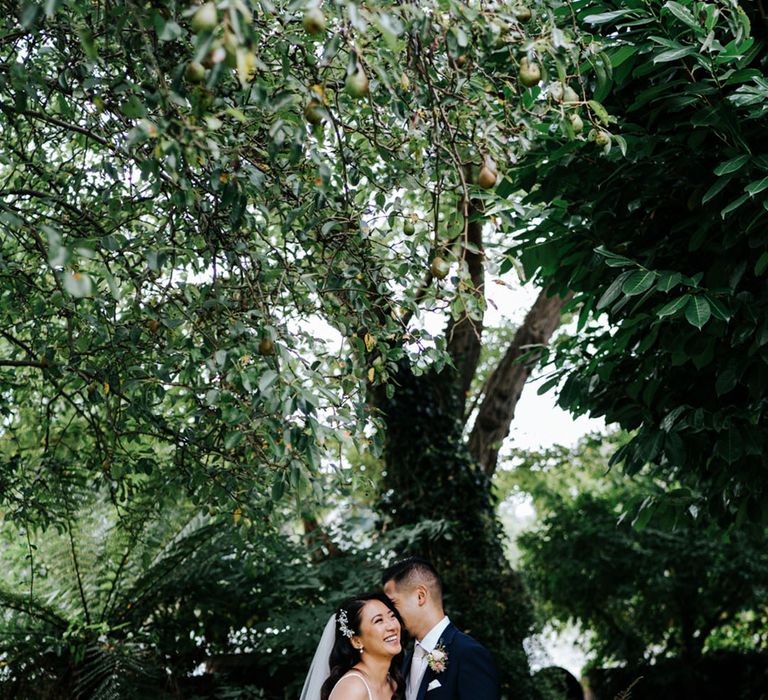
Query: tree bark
point(464, 334)
point(505, 385)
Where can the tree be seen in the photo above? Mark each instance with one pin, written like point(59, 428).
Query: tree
point(659, 237)
point(130, 607)
point(184, 188)
point(672, 588)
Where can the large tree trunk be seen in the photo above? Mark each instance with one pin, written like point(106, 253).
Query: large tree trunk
point(505, 385)
point(430, 475)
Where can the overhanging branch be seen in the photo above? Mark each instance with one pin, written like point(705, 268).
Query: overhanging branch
point(505, 385)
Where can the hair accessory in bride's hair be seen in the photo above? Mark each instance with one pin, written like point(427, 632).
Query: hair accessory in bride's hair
point(342, 620)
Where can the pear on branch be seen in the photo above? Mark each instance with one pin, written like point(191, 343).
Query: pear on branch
point(314, 21)
point(529, 73)
point(356, 83)
point(205, 19)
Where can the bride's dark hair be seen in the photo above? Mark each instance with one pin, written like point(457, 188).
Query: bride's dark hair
point(344, 655)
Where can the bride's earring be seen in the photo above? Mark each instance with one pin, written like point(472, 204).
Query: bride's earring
point(361, 649)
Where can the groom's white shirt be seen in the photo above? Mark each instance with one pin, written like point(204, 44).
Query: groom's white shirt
point(432, 637)
point(419, 662)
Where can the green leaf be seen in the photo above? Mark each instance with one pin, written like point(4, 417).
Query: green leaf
point(621, 54)
point(683, 14)
point(613, 259)
point(78, 284)
point(613, 291)
point(506, 187)
point(51, 6)
point(719, 310)
point(732, 165)
point(638, 282)
point(669, 420)
point(698, 311)
point(233, 439)
point(735, 204)
point(727, 379)
point(549, 384)
point(756, 187)
point(674, 54)
point(729, 446)
point(650, 445)
point(237, 114)
point(762, 263)
point(57, 253)
point(622, 143)
point(266, 380)
point(600, 112)
point(673, 306)
point(716, 187)
point(668, 280)
point(605, 17)
point(643, 517)
point(29, 14)
point(133, 108)
point(170, 31)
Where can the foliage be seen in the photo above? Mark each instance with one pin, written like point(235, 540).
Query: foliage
point(741, 676)
point(218, 223)
point(663, 239)
point(116, 609)
point(183, 189)
point(671, 587)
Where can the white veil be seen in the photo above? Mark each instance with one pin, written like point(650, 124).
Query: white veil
point(321, 667)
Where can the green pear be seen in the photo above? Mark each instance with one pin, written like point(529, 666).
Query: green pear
point(357, 83)
point(440, 268)
point(314, 21)
point(487, 177)
point(206, 19)
point(530, 73)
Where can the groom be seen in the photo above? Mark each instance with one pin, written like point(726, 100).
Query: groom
point(445, 664)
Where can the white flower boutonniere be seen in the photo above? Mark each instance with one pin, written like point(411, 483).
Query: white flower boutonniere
point(437, 659)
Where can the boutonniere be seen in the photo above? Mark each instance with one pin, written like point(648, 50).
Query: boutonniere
point(437, 659)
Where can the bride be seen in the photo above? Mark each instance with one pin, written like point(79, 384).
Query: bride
point(360, 654)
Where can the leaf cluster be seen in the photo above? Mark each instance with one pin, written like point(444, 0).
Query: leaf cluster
point(663, 245)
point(647, 588)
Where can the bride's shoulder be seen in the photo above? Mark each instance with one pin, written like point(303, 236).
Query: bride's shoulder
point(351, 686)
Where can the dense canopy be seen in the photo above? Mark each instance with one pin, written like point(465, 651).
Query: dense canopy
point(663, 243)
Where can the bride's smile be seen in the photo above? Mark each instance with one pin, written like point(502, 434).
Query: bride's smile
point(379, 630)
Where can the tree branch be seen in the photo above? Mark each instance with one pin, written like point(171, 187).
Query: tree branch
point(22, 363)
point(505, 385)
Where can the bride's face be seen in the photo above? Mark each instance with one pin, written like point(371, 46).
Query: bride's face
point(379, 629)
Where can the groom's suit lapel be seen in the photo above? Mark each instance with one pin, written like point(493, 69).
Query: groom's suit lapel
point(446, 639)
point(407, 664)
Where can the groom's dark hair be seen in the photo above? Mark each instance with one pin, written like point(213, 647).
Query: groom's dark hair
point(412, 570)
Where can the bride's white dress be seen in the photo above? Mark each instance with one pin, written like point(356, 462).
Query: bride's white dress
point(354, 674)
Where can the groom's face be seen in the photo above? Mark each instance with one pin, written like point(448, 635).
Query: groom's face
point(406, 600)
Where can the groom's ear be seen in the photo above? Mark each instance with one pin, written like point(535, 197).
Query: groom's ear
point(422, 593)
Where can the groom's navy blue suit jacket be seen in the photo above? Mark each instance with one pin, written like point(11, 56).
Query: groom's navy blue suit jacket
point(469, 674)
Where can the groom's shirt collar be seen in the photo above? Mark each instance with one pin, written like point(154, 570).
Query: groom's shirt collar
point(432, 637)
